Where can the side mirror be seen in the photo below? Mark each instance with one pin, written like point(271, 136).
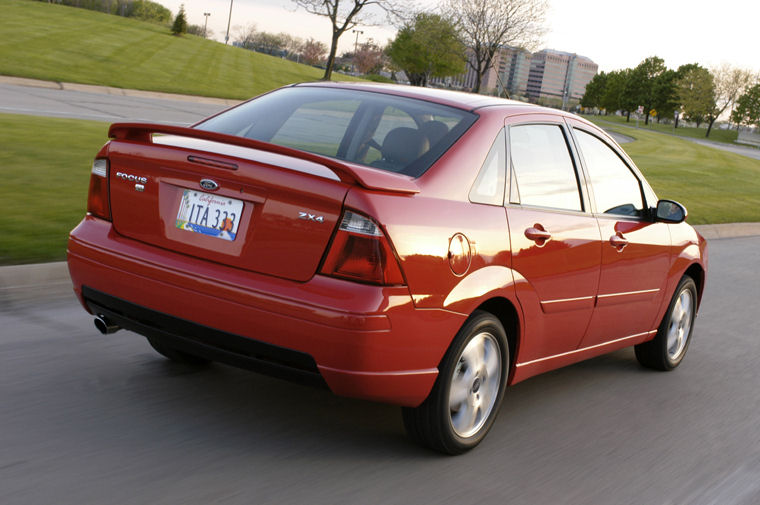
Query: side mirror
point(669, 211)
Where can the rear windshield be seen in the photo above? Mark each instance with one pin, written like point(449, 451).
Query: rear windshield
point(391, 133)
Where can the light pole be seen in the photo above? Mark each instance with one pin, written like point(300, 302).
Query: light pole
point(207, 14)
point(356, 46)
point(227, 37)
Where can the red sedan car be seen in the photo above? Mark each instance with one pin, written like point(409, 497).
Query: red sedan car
point(419, 247)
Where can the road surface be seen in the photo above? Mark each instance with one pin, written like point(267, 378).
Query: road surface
point(39, 101)
point(92, 419)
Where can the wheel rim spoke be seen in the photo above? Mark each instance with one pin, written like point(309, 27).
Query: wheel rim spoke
point(475, 385)
point(459, 390)
point(679, 327)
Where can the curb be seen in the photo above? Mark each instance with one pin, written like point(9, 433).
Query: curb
point(728, 230)
point(107, 90)
point(48, 281)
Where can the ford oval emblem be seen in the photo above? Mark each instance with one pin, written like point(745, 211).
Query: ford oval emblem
point(209, 184)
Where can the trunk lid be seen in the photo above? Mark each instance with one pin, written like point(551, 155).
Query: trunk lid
point(238, 205)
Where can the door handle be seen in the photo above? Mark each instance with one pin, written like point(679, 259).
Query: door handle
point(618, 241)
point(537, 233)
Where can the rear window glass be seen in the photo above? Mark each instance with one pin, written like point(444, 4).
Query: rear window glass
point(382, 131)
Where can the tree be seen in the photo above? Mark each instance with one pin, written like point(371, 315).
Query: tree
point(615, 96)
point(180, 22)
point(345, 15)
point(293, 46)
point(696, 91)
point(199, 30)
point(487, 25)
point(369, 58)
point(730, 82)
point(268, 43)
point(148, 11)
point(244, 36)
point(665, 94)
point(313, 52)
point(595, 89)
point(747, 111)
point(428, 46)
point(641, 85)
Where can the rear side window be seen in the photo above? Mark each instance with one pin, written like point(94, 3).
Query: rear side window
point(388, 132)
point(543, 169)
point(616, 188)
point(489, 186)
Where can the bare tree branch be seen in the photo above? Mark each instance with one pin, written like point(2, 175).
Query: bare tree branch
point(347, 14)
point(487, 25)
point(730, 83)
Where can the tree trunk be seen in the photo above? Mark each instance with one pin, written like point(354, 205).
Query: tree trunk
point(331, 58)
point(478, 80)
point(416, 79)
point(709, 127)
point(627, 116)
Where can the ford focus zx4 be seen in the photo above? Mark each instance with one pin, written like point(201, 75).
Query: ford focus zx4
point(418, 247)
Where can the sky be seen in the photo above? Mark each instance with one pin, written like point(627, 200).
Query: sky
point(615, 34)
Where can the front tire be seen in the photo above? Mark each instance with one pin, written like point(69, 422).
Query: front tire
point(467, 394)
point(666, 351)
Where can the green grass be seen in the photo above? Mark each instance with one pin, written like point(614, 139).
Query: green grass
point(57, 43)
point(46, 164)
point(717, 135)
point(715, 186)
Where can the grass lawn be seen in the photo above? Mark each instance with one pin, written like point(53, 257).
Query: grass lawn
point(57, 43)
point(717, 135)
point(46, 165)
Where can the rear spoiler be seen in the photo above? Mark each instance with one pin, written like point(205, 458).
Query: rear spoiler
point(347, 172)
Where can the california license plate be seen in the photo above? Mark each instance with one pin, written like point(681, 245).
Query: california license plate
point(214, 215)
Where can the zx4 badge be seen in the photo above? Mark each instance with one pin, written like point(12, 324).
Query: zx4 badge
point(311, 217)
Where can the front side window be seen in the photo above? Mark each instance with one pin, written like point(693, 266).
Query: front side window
point(616, 188)
point(543, 169)
point(388, 132)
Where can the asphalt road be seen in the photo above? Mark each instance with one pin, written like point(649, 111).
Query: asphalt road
point(90, 419)
point(101, 107)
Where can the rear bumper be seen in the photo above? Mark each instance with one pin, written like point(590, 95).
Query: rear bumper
point(362, 341)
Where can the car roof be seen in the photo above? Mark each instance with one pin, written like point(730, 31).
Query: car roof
point(458, 99)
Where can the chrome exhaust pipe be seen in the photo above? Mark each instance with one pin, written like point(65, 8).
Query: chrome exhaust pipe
point(105, 326)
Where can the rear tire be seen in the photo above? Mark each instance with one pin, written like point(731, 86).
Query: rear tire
point(176, 355)
point(668, 348)
point(468, 392)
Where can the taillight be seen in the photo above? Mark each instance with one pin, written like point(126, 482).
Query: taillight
point(360, 251)
point(98, 203)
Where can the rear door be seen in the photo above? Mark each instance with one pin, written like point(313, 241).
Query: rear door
point(556, 248)
point(635, 249)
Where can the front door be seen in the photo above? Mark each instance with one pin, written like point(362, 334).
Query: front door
point(635, 249)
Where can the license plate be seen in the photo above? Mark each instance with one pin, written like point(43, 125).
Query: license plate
point(214, 215)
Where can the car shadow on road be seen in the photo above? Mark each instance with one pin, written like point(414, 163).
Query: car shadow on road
point(222, 407)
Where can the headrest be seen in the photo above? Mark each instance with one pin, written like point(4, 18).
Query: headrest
point(434, 131)
point(404, 145)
